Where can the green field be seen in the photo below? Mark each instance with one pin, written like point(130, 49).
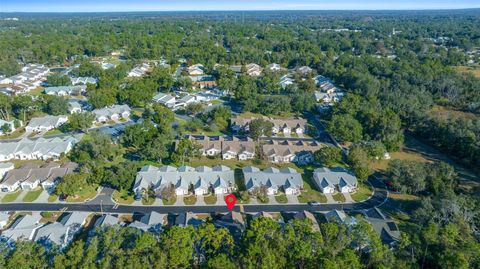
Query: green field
point(10, 197)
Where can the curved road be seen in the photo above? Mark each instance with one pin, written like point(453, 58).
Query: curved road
point(378, 198)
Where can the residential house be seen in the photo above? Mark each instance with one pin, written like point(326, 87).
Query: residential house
point(228, 147)
point(61, 233)
point(188, 219)
point(38, 149)
point(285, 81)
point(273, 179)
point(383, 225)
point(23, 227)
point(195, 70)
point(46, 123)
point(10, 124)
point(273, 67)
point(232, 221)
point(106, 220)
point(300, 151)
point(238, 149)
point(304, 70)
point(84, 80)
point(330, 180)
point(139, 70)
point(151, 222)
point(253, 70)
point(74, 106)
point(202, 81)
point(219, 179)
point(66, 90)
point(165, 99)
point(31, 176)
point(340, 217)
point(303, 215)
point(113, 113)
point(285, 126)
point(4, 168)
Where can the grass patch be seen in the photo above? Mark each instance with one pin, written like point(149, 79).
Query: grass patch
point(52, 198)
point(216, 102)
point(169, 201)
point(53, 132)
point(10, 197)
point(32, 195)
point(309, 193)
point(405, 154)
point(339, 197)
point(282, 198)
point(362, 193)
point(190, 200)
point(15, 134)
point(83, 195)
point(49, 216)
point(36, 92)
point(474, 70)
point(210, 199)
point(122, 197)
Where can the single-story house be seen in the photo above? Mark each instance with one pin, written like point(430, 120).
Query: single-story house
point(23, 227)
point(115, 113)
point(46, 123)
point(273, 179)
point(66, 90)
point(4, 168)
point(300, 151)
point(219, 179)
point(330, 180)
point(37, 149)
point(31, 176)
point(165, 99)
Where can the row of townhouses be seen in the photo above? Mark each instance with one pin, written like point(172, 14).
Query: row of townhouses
point(229, 148)
point(202, 179)
point(276, 151)
point(37, 149)
point(31, 176)
point(220, 180)
point(285, 126)
point(31, 77)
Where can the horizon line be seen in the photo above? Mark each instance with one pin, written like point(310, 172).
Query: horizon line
point(239, 10)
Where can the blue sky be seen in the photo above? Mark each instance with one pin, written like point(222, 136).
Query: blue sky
point(171, 5)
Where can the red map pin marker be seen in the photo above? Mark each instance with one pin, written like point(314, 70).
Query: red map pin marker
point(230, 200)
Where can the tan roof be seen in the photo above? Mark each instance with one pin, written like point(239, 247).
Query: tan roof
point(289, 122)
point(238, 146)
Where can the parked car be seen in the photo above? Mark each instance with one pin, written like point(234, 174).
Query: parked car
point(314, 203)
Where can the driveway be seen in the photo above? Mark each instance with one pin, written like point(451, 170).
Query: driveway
point(292, 199)
point(330, 199)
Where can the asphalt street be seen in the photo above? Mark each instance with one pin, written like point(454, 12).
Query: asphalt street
point(97, 205)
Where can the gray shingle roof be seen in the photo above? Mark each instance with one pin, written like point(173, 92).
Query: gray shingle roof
point(271, 177)
point(332, 177)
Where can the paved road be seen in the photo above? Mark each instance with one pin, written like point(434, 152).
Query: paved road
point(377, 199)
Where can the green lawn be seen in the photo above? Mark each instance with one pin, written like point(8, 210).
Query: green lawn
point(32, 195)
point(282, 198)
point(83, 195)
point(148, 200)
point(10, 197)
point(263, 200)
point(17, 133)
point(339, 197)
point(362, 193)
point(210, 199)
point(122, 197)
point(190, 200)
point(169, 202)
point(52, 198)
point(53, 132)
point(309, 193)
